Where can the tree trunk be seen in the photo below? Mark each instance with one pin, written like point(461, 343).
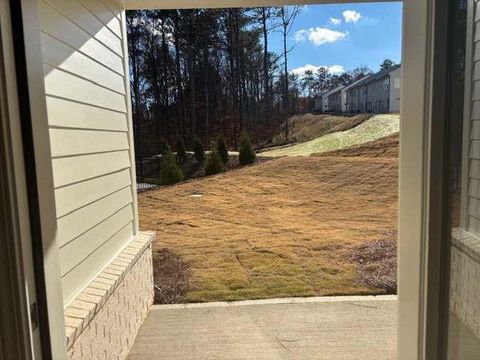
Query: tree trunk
point(286, 108)
point(265, 65)
point(178, 77)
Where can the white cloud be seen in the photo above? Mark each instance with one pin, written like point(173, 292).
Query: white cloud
point(319, 36)
point(335, 21)
point(300, 35)
point(334, 69)
point(351, 16)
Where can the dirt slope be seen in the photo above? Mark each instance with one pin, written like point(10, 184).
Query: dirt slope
point(308, 126)
point(287, 227)
point(384, 147)
point(376, 127)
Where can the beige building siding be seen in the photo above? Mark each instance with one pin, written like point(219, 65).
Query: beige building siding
point(471, 198)
point(90, 134)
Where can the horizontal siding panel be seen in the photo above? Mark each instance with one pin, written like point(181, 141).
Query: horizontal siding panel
point(113, 7)
point(104, 15)
point(80, 15)
point(475, 130)
point(476, 52)
point(476, 110)
point(79, 168)
point(57, 54)
point(474, 208)
point(476, 89)
point(476, 71)
point(82, 247)
point(61, 84)
point(75, 196)
point(474, 169)
point(77, 279)
point(474, 188)
point(78, 222)
point(58, 26)
point(477, 11)
point(474, 225)
point(475, 149)
point(70, 142)
point(70, 114)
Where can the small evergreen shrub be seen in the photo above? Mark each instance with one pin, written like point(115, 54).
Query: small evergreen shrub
point(214, 163)
point(181, 153)
point(163, 147)
point(170, 172)
point(198, 150)
point(222, 150)
point(247, 154)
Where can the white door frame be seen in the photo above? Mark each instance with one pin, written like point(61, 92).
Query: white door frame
point(19, 338)
point(416, 252)
point(418, 133)
point(28, 185)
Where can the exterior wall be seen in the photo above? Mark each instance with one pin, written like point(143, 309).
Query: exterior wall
point(353, 100)
point(325, 103)
point(378, 95)
point(465, 247)
point(344, 101)
point(102, 322)
point(465, 279)
point(471, 146)
point(395, 86)
point(86, 83)
point(335, 102)
point(362, 99)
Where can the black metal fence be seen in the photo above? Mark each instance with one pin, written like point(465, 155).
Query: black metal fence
point(148, 173)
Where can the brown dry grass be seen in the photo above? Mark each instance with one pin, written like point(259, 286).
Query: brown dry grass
point(384, 147)
point(287, 227)
point(308, 126)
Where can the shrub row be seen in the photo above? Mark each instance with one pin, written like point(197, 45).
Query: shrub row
point(217, 159)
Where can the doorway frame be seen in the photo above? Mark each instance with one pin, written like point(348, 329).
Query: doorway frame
point(422, 207)
point(420, 212)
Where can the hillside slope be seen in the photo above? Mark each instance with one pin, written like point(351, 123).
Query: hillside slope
point(309, 126)
point(376, 127)
point(286, 227)
point(387, 147)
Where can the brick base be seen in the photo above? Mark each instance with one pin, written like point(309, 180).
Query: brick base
point(465, 279)
point(110, 328)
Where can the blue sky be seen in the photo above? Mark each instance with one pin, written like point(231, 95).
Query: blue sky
point(344, 36)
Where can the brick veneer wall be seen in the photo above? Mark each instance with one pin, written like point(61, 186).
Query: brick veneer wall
point(102, 322)
point(465, 279)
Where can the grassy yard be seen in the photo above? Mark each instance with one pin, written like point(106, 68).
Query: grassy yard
point(293, 226)
point(374, 128)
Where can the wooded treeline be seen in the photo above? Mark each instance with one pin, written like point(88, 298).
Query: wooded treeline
point(205, 73)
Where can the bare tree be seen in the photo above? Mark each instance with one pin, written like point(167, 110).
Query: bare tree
point(287, 17)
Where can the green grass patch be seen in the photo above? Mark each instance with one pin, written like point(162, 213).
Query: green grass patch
point(375, 128)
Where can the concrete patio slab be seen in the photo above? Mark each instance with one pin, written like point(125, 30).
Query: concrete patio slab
point(359, 327)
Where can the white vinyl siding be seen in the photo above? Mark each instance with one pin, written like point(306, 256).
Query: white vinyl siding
point(87, 104)
point(471, 162)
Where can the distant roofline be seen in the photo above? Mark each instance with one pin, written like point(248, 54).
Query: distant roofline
point(356, 82)
point(377, 75)
point(332, 91)
point(365, 80)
